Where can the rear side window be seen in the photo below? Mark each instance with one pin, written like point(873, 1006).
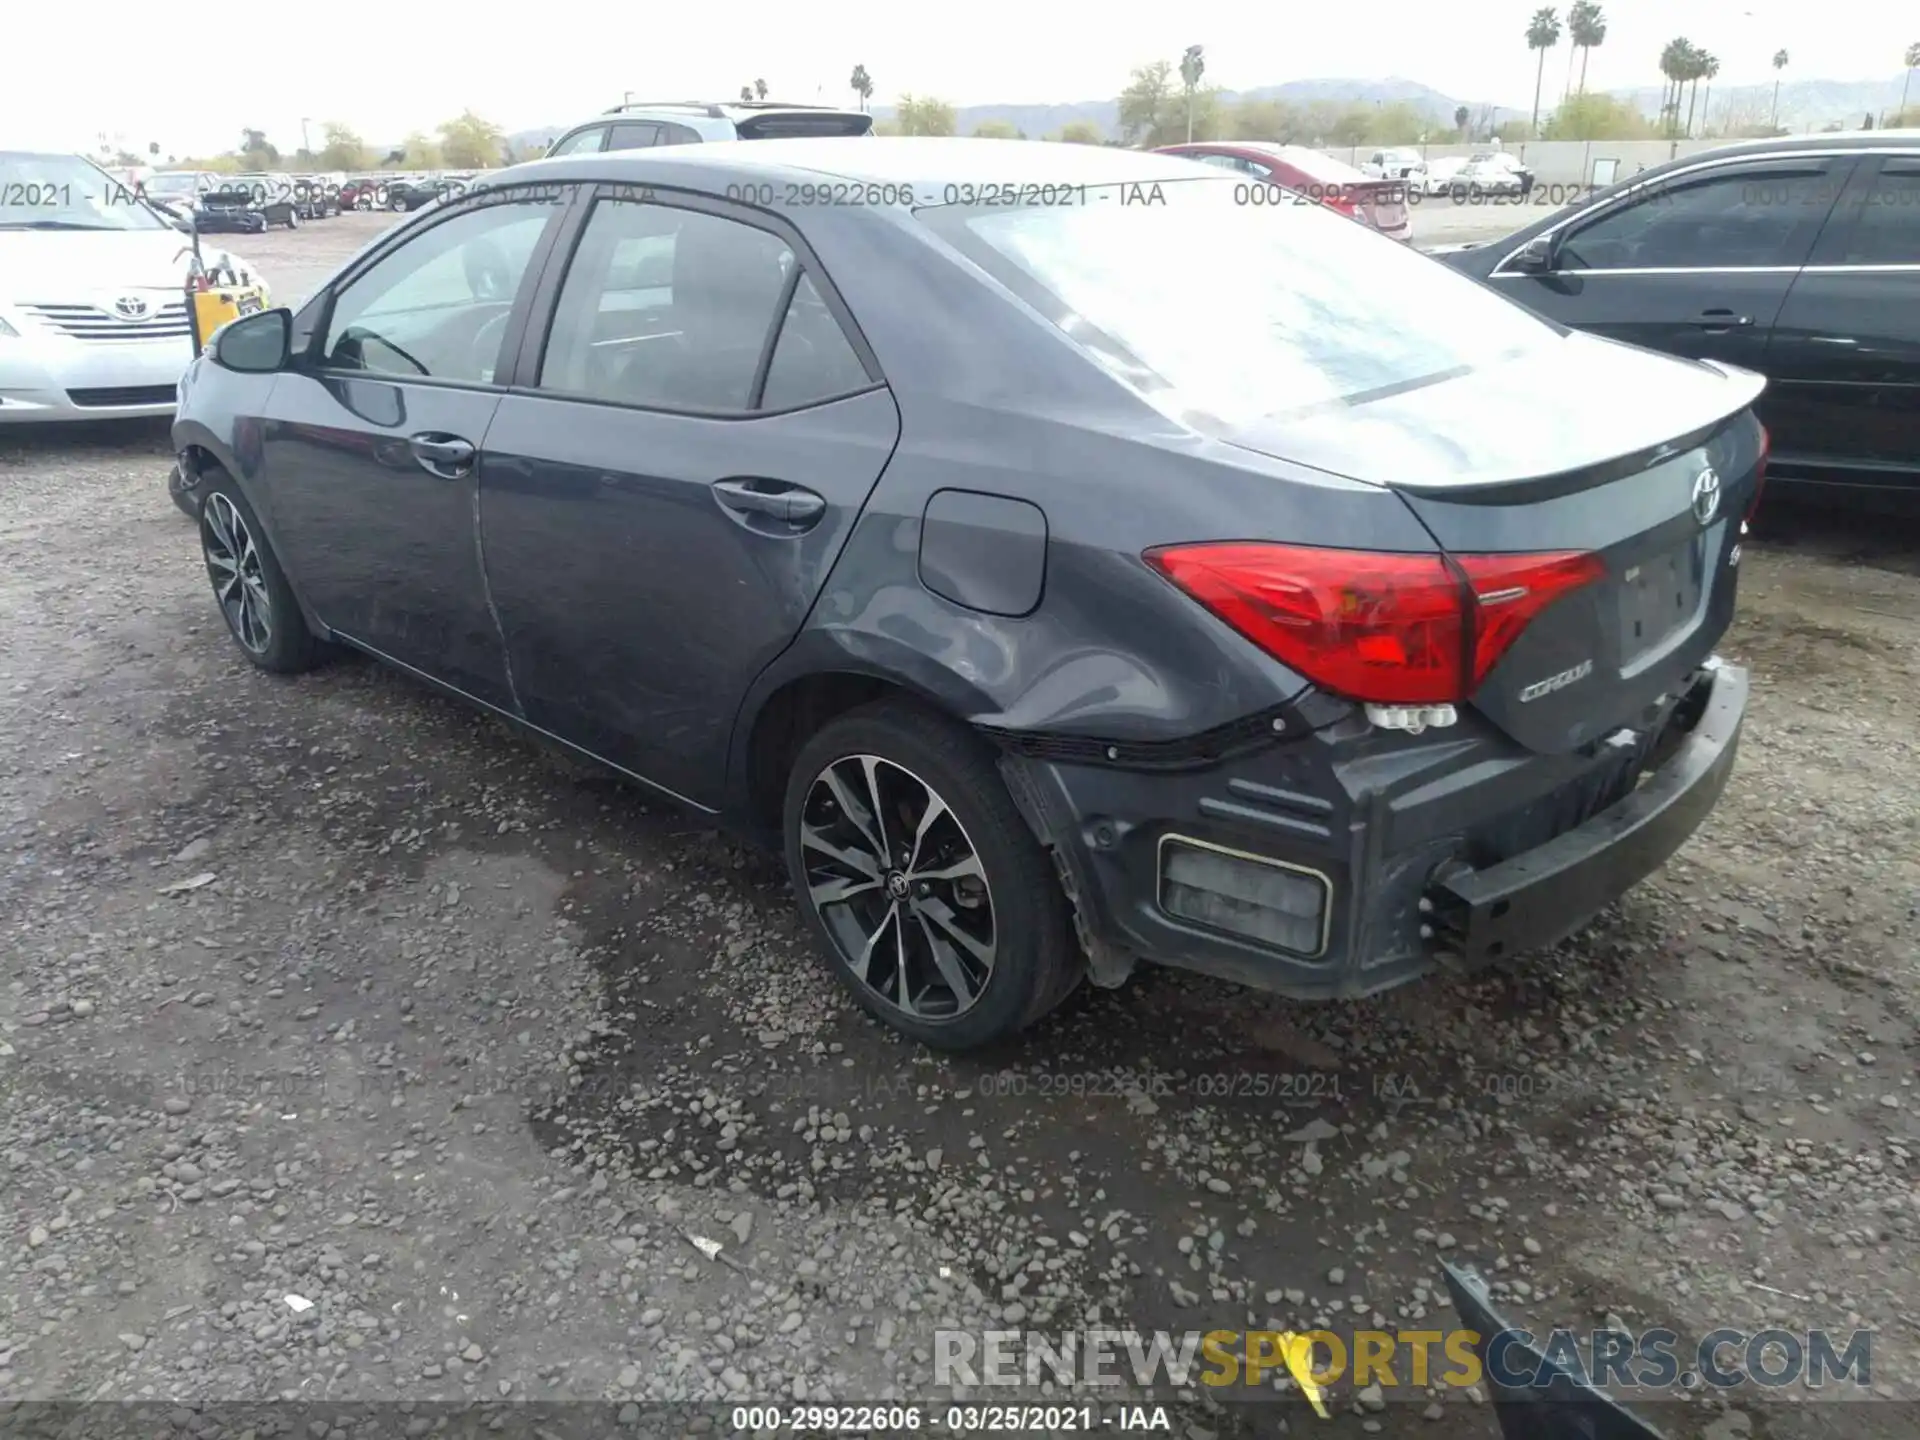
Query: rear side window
point(1231, 312)
point(1741, 219)
point(812, 360)
point(671, 134)
point(665, 308)
point(1886, 228)
point(671, 309)
point(633, 135)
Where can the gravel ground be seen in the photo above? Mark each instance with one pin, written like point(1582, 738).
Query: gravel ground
point(332, 989)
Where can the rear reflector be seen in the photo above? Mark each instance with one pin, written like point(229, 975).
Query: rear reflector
point(1389, 628)
point(1263, 900)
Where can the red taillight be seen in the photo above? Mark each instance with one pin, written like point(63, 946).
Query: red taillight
point(1760, 472)
point(1390, 628)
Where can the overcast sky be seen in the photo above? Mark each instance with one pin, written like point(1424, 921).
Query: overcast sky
point(398, 65)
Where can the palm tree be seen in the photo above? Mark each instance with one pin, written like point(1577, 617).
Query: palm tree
point(1192, 66)
point(759, 89)
point(1461, 115)
point(861, 84)
point(1913, 60)
point(1588, 27)
point(1673, 63)
point(1709, 67)
point(1780, 61)
point(746, 94)
point(1543, 33)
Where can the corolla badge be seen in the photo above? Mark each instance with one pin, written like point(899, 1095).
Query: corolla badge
point(132, 307)
point(1706, 495)
point(1556, 682)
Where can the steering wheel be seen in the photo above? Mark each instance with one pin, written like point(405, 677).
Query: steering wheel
point(488, 274)
point(486, 342)
point(360, 337)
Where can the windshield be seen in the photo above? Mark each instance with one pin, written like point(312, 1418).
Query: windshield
point(64, 192)
point(1216, 308)
point(173, 184)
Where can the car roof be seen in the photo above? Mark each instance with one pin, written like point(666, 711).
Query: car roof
point(889, 159)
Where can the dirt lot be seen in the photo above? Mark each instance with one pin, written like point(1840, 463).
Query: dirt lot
point(334, 990)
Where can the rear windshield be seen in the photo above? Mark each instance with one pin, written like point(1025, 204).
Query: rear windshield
point(1214, 306)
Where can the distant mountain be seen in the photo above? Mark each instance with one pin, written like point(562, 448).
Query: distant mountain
point(1804, 104)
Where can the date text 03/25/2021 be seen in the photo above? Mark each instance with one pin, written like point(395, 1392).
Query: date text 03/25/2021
point(907, 1419)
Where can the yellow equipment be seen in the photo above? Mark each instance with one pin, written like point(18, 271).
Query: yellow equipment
point(216, 296)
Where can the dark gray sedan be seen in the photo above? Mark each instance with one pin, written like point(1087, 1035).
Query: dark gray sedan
point(1063, 563)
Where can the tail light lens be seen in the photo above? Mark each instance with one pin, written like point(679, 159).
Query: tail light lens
point(1388, 628)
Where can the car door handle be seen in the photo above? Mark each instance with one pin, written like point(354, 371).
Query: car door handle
point(447, 456)
point(773, 499)
point(1721, 320)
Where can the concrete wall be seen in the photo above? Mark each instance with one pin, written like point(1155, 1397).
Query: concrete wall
point(1561, 162)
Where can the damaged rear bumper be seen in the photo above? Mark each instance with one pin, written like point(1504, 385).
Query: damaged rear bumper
point(1453, 848)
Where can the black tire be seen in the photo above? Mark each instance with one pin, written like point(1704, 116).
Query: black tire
point(293, 220)
point(289, 647)
point(1036, 962)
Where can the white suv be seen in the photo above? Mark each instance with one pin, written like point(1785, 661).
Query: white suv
point(93, 308)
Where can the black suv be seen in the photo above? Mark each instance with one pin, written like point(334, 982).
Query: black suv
point(1796, 257)
point(639, 124)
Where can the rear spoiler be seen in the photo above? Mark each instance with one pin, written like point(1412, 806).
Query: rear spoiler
point(776, 123)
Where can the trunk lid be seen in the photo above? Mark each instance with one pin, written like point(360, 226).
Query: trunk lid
point(1648, 463)
point(1383, 204)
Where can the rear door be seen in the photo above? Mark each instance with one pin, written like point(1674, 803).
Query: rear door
point(1697, 266)
point(674, 471)
point(1844, 356)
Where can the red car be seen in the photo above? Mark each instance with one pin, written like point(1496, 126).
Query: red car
point(1335, 184)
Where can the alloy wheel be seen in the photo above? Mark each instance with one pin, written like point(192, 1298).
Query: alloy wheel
point(233, 563)
point(899, 886)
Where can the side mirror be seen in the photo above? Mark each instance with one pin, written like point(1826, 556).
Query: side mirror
point(258, 344)
point(1535, 256)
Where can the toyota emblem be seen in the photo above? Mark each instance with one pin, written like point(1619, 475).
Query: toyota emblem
point(1706, 495)
point(132, 307)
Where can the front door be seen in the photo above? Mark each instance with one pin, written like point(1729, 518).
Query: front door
point(373, 445)
point(671, 480)
point(1698, 267)
point(1844, 361)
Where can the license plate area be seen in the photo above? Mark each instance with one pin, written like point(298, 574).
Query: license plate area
point(249, 304)
point(1658, 598)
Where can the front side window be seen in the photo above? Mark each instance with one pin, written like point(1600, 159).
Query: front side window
point(1231, 312)
point(64, 192)
point(581, 142)
point(666, 309)
point(1736, 219)
point(1886, 230)
point(437, 307)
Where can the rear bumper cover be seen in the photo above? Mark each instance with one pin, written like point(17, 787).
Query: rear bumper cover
point(1449, 849)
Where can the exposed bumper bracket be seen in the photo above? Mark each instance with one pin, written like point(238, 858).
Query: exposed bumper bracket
point(1541, 896)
